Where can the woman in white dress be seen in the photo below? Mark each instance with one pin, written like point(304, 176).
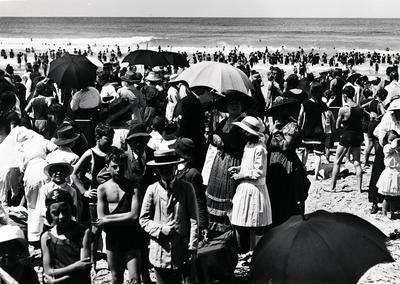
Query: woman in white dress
point(251, 211)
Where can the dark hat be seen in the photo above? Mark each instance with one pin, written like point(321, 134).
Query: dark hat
point(353, 77)
point(184, 147)
point(58, 195)
point(362, 80)
point(131, 77)
point(232, 95)
point(65, 135)
point(165, 157)
point(280, 102)
point(137, 130)
point(67, 166)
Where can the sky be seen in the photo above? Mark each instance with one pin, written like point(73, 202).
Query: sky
point(201, 8)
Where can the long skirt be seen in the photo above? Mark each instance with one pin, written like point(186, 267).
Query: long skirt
point(377, 169)
point(220, 191)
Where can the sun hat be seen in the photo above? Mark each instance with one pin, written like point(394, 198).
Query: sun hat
point(184, 147)
point(280, 102)
point(67, 166)
point(65, 135)
point(231, 95)
point(394, 104)
point(131, 77)
point(153, 77)
point(252, 125)
point(165, 157)
point(137, 130)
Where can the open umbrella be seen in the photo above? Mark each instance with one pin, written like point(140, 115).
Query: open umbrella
point(146, 57)
point(218, 76)
point(175, 59)
point(320, 247)
point(72, 71)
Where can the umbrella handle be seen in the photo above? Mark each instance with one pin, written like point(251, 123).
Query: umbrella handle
point(300, 205)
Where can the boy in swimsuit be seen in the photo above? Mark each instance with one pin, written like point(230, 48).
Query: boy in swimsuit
point(350, 118)
point(118, 211)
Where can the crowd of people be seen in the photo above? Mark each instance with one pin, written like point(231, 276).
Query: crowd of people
point(142, 167)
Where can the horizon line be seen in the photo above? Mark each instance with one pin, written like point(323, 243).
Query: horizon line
point(205, 17)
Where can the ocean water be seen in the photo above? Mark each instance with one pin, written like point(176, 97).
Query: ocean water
point(250, 33)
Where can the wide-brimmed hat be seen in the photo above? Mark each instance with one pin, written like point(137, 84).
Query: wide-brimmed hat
point(279, 103)
point(363, 79)
point(65, 135)
point(353, 77)
point(67, 166)
point(252, 125)
point(394, 104)
point(231, 95)
point(184, 147)
point(137, 130)
point(165, 157)
point(153, 77)
point(131, 77)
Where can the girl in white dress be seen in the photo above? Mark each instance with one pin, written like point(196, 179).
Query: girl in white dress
point(251, 210)
point(389, 180)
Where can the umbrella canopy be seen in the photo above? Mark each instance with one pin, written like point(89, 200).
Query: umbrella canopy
point(218, 76)
point(320, 248)
point(146, 57)
point(175, 59)
point(72, 71)
point(95, 61)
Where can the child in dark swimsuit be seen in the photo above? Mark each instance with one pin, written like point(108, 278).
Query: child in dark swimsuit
point(118, 212)
point(66, 246)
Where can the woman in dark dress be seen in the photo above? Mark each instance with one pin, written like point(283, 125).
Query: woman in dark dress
point(286, 178)
point(310, 122)
point(228, 139)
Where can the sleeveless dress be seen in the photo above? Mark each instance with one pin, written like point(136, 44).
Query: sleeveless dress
point(126, 237)
point(373, 122)
point(352, 135)
point(65, 252)
point(313, 131)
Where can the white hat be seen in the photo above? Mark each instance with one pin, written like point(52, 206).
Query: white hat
point(394, 105)
point(252, 125)
point(9, 233)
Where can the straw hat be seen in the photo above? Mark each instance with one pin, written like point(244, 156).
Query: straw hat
point(137, 130)
point(65, 135)
point(279, 103)
point(252, 125)
point(231, 95)
point(153, 77)
point(67, 166)
point(184, 147)
point(165, 157)
point(131, 77)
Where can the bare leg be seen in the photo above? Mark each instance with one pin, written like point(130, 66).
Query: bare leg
point(368, 151)
point(133, 266)
point(117, 267)
point(384, 206)
point(355, 152)
point(340, 153)
point(317, 164)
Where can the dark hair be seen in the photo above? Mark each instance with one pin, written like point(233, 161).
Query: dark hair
point(394, 76)
point(251, 138)
point(56, 196)
point(367, 93)
point(8, 100)
point(292, 81)
point(115, 155)
point(103, 129)
point(158, 123)
point(386, 137)
point(349, 91)
point(316, 90)
point(171, 128)
point(382, 94)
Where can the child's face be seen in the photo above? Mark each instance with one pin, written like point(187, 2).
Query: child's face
point(116, 169)
point(58, 175)
point(61, 213)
